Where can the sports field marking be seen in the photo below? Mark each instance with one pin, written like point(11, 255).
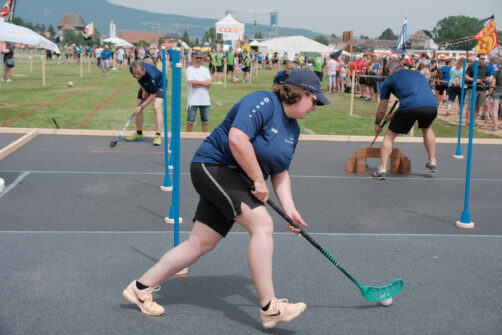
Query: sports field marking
point(187, 232)
point(98, 107)
point(292, 176)
point(14, 184)
point(125, 152)
point(61, 97)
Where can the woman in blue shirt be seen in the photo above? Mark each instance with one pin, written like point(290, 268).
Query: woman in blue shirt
point(257, 139)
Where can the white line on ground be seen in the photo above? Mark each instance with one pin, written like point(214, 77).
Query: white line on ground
point(237, 233)
point(433, 179)
point(14, 184)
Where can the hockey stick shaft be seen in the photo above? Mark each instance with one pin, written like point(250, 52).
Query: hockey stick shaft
point(286, 217)
point(127, 124)
point(384, 122)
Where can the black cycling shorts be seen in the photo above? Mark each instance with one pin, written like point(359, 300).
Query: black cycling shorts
point(403, 121)
point(222, 190)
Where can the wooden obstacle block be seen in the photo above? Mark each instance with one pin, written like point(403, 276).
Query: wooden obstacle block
point(399, 163)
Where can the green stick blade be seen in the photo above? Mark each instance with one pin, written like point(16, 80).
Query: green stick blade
point(377, 293)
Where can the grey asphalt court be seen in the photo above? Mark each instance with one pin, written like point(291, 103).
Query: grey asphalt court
point(80, 220)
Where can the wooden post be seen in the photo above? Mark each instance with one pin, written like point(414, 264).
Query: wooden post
point(225, 73)
point(352, 89)
point(88, 63)
point(31, 60)
point(81, 67)
point(43, 70)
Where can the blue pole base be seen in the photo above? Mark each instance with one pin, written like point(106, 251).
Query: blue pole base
point(458, 156)
point(171, 220)
point(469, 225)
point(465, 220)
point(182, 273)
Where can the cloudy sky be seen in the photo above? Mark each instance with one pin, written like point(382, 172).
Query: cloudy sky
point(367, 17)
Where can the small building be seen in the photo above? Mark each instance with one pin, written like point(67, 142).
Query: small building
point(134, 37)
point(72, 21)
point(423, 38)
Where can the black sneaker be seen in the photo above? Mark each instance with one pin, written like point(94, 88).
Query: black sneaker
point(431, 167)
point(380, 175)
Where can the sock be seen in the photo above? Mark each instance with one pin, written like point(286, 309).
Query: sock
point(158, 134)
point(140, 132)
point(265, 308)
point(140, 286)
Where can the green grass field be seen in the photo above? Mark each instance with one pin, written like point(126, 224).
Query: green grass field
point(25, 103)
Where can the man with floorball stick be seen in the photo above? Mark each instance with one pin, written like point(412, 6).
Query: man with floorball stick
point(150, 80)
point(416, 103)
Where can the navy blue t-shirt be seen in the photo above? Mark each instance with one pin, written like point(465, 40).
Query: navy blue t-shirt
point(261, 116)
point(411, 88)
point(152, 80)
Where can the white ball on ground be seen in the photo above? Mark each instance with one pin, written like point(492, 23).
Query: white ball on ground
point(386, 302)
point(70, 84)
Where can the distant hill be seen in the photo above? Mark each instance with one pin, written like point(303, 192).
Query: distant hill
point(101, 12)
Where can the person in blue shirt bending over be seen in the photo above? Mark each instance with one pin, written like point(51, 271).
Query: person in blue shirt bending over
point(150, 80)
point(416, 103)
point(257, 139)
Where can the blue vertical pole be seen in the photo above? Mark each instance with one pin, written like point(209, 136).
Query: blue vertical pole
point(175, 141)
point(458, 153)
point(465, 220)
point(167, 186)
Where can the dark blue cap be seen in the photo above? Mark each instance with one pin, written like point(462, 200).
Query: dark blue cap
point(196, 53)
point(308, 80)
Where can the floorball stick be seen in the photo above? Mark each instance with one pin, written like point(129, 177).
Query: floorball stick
point(384, 122)
point(115, 141)
point(371, 293)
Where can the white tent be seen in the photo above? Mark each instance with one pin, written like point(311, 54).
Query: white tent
point(118, 42)
point(294, 45)
point(231, 29)
point(16, 34)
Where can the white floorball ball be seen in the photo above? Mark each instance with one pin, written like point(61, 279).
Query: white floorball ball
point(70, 84)
point(386, 302)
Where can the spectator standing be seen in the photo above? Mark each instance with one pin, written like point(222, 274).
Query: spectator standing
point(106, 54)
point(120, 57)
point(480, 92)
point(98, 52)
point(455, 84)
point(219, 65)
point(319, 66)
point(8, 62)
point(496, 93)
point(199, 81)
point(230, 56)
point(331, 68)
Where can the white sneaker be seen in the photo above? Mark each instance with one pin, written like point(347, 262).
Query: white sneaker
point(281, 310)
point(143, 299)
point(9, 80)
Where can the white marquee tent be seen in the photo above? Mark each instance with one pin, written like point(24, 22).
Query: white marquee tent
point(118, 42)
point(231, 29)
point(294, 45)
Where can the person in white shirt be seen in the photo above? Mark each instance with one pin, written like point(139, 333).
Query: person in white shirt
point(120, 57)
point(331, 73)
point(98, 52)
point(199, 81)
